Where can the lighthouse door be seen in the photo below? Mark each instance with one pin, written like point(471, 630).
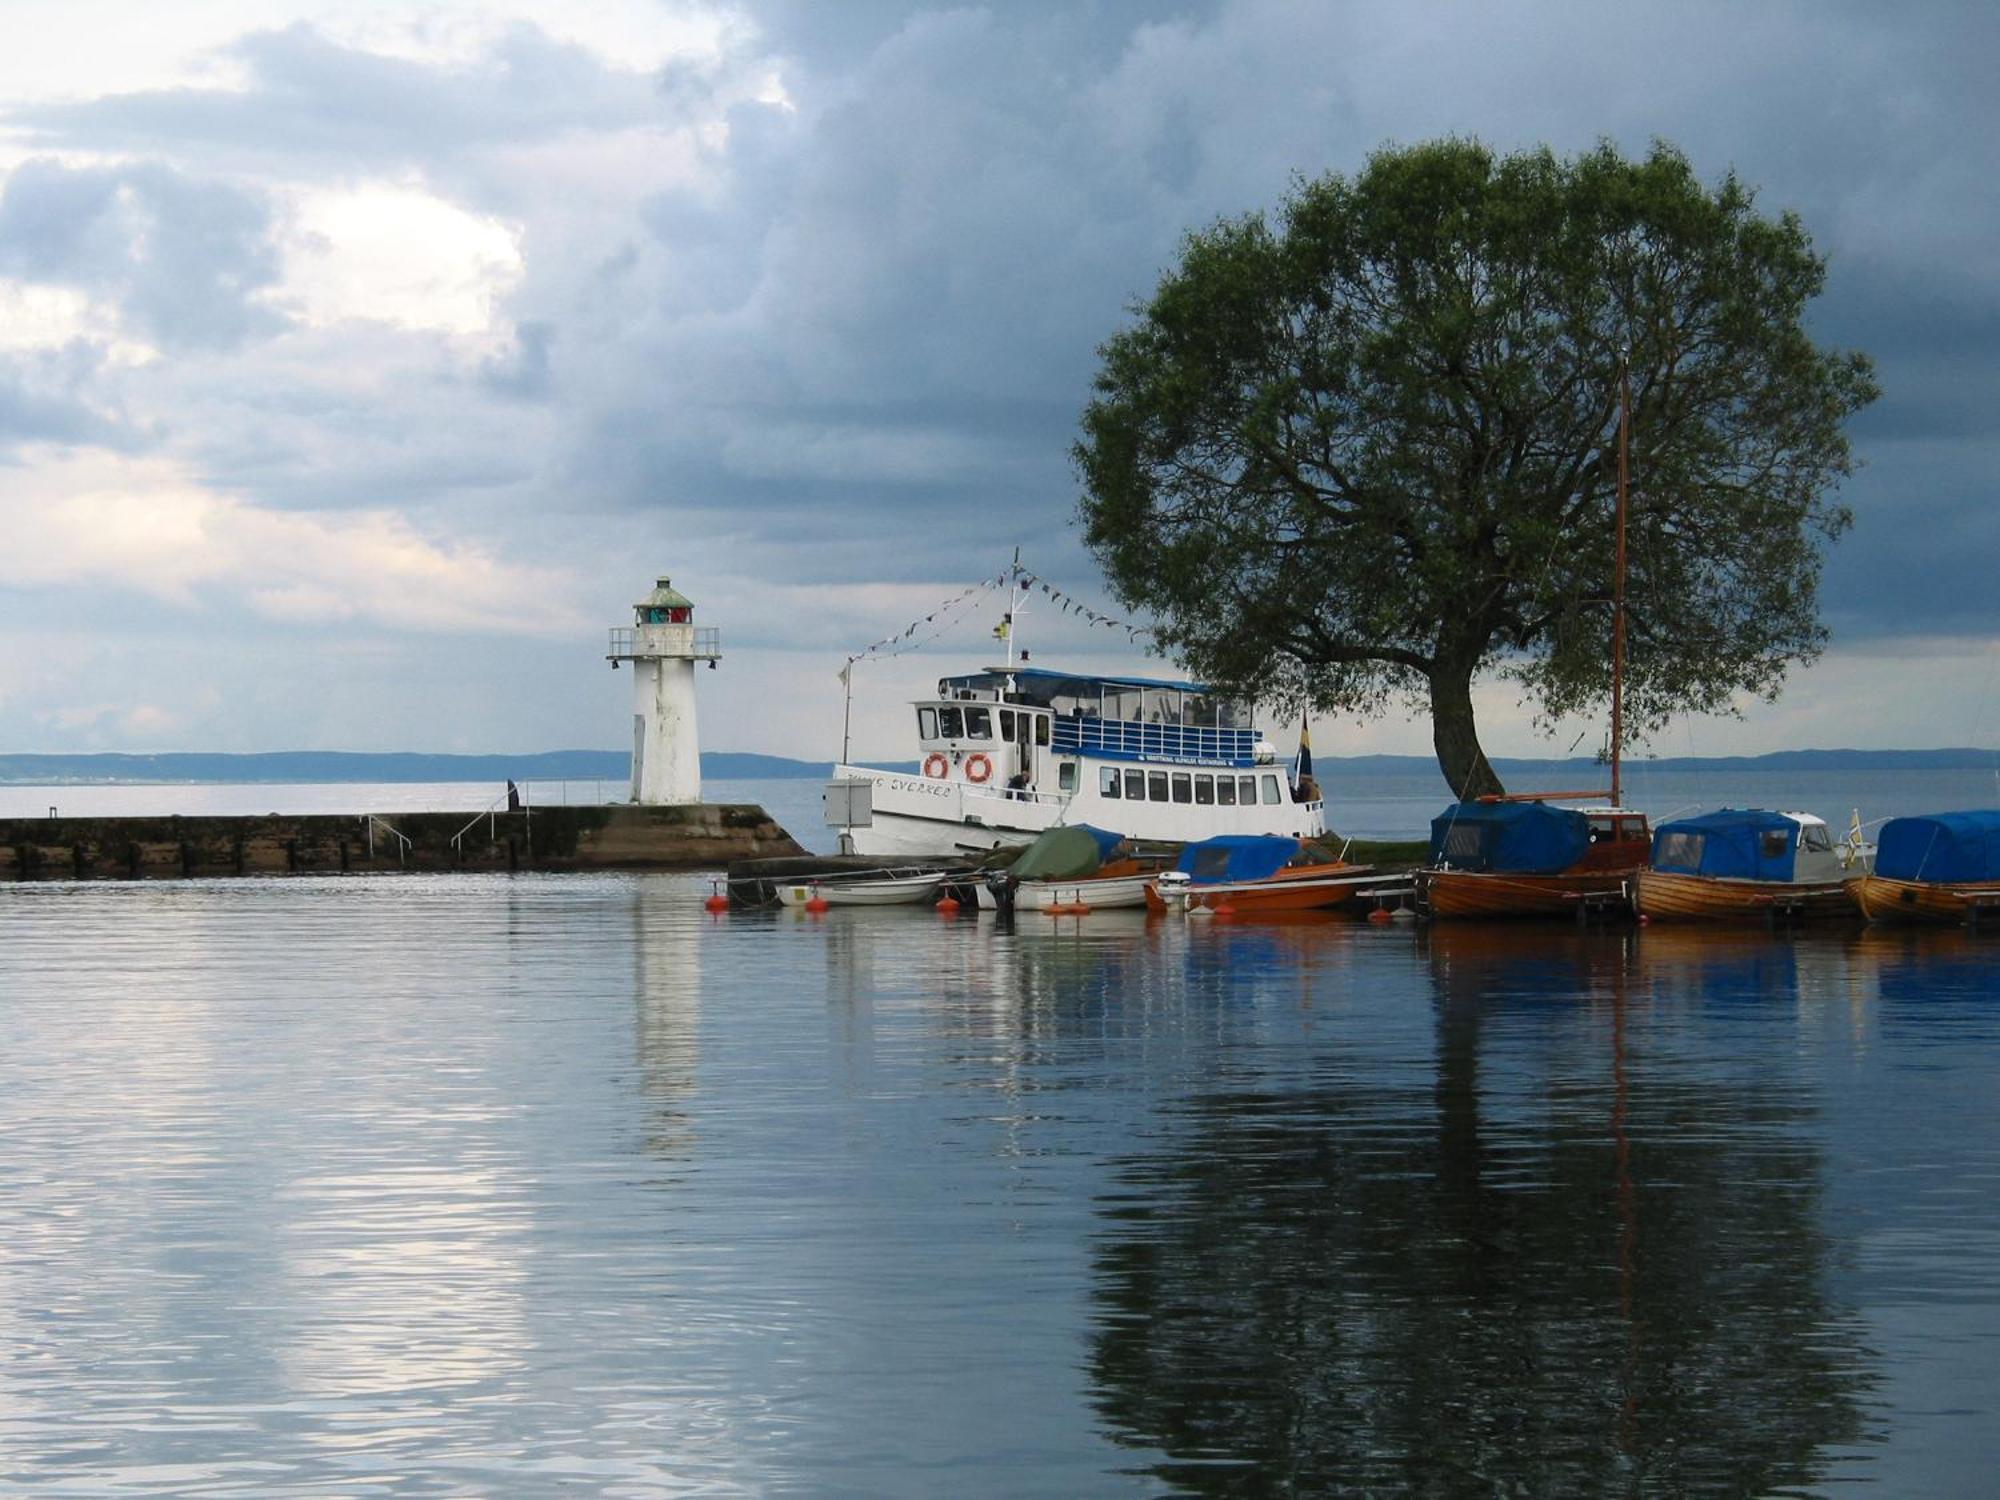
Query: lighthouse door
point(638, 754)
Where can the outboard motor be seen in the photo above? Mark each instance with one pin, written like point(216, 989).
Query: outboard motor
point(1001, 883)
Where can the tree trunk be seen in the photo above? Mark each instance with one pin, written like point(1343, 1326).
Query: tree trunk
point(1456, 737)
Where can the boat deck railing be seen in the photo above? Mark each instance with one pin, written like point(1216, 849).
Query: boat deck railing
point(1132, 739)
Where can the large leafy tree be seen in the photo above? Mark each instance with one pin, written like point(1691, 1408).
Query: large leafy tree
point(1370, 453)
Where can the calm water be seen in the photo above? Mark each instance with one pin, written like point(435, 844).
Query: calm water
point(522, 1186)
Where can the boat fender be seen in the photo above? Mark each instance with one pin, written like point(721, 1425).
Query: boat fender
point(934, 766)
point(978, 768)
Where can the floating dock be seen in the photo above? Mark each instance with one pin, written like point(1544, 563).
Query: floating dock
point(698, 836)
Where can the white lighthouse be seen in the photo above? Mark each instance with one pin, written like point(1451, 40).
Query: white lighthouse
point(663, 645)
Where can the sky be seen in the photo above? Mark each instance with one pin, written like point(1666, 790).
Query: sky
point(361, 364)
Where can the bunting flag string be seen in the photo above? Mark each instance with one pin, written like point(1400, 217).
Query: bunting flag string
point(906, 640)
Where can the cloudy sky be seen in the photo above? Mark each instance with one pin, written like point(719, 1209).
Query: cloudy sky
point(360, 363)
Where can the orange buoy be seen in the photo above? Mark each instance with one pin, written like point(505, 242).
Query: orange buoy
point(948, 906)
point(1381, 916)
point(1225, 910)
point(817, 904)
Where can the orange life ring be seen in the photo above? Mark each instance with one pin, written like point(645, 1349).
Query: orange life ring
point(978, 768)
point(934, 765)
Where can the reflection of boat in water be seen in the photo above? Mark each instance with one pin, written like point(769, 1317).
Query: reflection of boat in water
point(866, 890)
point(1528, 859)
point(1248, 874)
point(1944, 868)
point(1744, 865)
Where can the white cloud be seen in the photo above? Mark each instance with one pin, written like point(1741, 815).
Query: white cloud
point(93, 521)
point(395, 253)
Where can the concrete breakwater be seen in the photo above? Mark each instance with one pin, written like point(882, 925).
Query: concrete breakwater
point(700, 836)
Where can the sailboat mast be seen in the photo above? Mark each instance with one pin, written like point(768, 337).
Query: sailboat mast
point(1618, 578)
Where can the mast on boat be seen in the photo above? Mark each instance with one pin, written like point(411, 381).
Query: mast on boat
point(1618, 575)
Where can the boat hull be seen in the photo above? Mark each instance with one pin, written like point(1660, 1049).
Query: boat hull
point(1882, 899)
point(1479, 895)
point(1305, 888)
point(1669, 896)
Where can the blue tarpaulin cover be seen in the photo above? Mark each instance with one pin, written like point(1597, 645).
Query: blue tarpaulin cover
point(1952, 848)
point(1237, 856)
point(1521, 838)
point(1733, 844)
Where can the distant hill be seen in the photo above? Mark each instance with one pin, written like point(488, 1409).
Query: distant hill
point(726, 765)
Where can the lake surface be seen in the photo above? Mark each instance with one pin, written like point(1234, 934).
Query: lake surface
point(533, 1185)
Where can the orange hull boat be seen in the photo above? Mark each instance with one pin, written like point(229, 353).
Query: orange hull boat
point(1299, 888)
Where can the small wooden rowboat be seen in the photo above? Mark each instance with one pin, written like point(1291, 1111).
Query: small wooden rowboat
point(882, 890)
point(1475, 894)
point(1670, 896)
point(1881, 898)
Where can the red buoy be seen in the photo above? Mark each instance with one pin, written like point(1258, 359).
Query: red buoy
point(1381, 915)
point(948, 906)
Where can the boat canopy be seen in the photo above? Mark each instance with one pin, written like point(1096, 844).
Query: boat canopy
point(1521, 838)
point(1951, 848)
point(1732, 844)
point(1237, 856)
point(1066, 853)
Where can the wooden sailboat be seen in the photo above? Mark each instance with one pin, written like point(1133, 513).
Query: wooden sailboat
point(1584, 856)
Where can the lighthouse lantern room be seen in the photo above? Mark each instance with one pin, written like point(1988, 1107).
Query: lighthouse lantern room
point(663, 645)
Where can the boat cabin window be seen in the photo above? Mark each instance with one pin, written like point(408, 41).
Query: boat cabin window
point(1041, 729)
point(1007, 725)
point(1135, 786)
point(951, 723)
point(1066, 776)
point(1183, 789)
point(927, 724)
point(1121, 703)
point(1682, 850)
point(1774, 844)
point(1204, 791)
point(1162, 707)
point(1817, 839)
point(1246, 790)
point(1271, 792)
point(1225, 790)
point(1200, 713)
point(1107, 782)
point(1463, 841)
point(1156, 786)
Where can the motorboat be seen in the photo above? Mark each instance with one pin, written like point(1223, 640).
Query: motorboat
point(1249, 874)
point(1944, 868)
point(1745, 865)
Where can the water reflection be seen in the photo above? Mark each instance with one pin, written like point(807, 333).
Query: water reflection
point(1579, 1257)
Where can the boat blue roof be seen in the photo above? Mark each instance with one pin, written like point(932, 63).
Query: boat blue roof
point(1953, 847)
point(1046, 674)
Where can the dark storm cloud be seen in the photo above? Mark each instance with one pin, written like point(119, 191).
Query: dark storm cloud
point(182, 258)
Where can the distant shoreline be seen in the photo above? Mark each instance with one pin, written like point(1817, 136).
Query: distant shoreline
point(333, 766)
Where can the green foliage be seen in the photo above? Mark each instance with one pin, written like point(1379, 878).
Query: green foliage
point(1372, 452)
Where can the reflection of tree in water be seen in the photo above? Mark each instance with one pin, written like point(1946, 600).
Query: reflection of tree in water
point(1366, 1287)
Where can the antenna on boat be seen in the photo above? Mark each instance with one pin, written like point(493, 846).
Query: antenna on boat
point(1618, 574)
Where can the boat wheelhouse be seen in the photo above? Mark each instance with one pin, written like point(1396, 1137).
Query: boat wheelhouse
point(1008, 752)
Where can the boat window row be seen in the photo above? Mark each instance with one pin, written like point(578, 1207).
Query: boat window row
point(1161, 706)
point(1199, 788)
point(976, 722)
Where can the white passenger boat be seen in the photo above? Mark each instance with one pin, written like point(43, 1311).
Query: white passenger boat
point(1009, 752)
point(871, 890)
